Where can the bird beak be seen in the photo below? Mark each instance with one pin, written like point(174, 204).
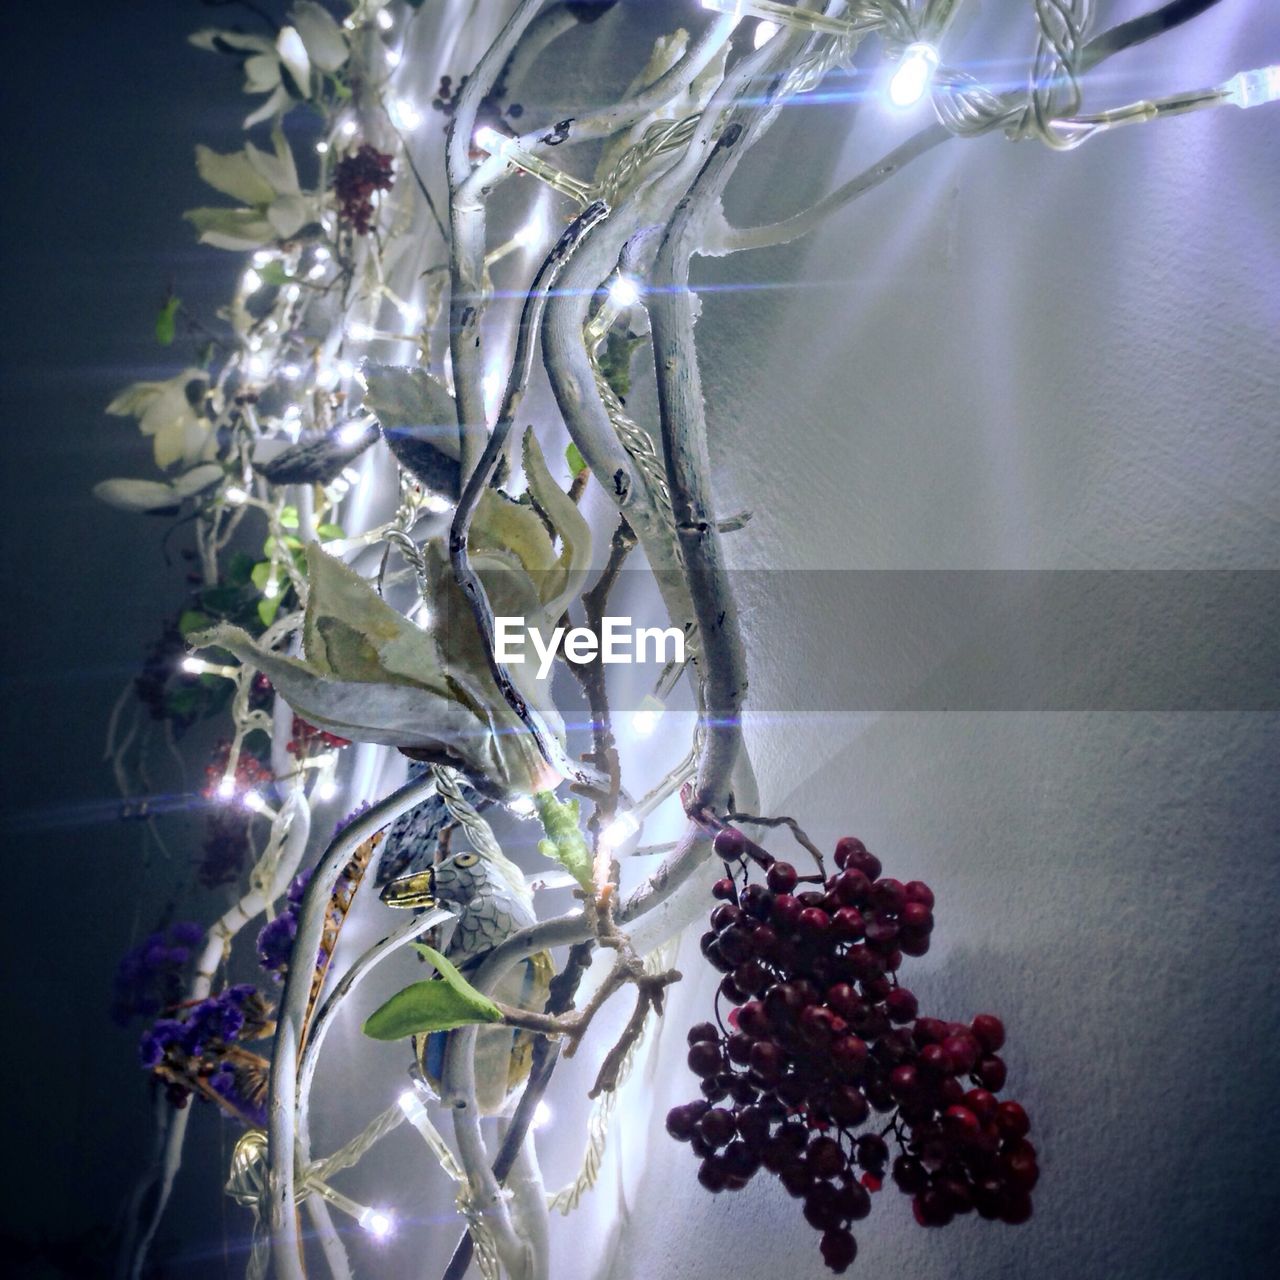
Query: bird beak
point(418, 889)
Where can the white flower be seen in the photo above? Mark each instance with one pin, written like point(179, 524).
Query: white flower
point(282, 68)
point(169, 413)
point(266, 182)
point(156, 495)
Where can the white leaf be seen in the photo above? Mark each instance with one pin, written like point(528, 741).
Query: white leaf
point(320, 34)
point(234, 175)
point(293, 54)
point(274, 105)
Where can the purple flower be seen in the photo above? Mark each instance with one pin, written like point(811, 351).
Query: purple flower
point(186, 933)
point(298, 887)
point(275, 943)
point(343, 823)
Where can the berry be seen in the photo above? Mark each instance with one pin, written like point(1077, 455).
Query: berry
point(782, 877)
point(730, 844)
point(988, 1030)
point(839, 1249)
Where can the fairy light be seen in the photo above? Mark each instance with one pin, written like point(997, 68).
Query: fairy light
point(416, 1113)
point(322, 254)
point(376, 1223)
point(384, 20)
point(347, 128)
point(436, 504)
point(1253, 88)
point(271, 588)
point(491, 384)
point(910, 80)
point(253, 801)
point(619, 831)
point(789, 16)
point(290, 371)
point(234, 495)
point(623, 294)
point(393, 58)
point(194, 666)
point(326, 787)
point(541, 1115)
point(404, 115)
point(251, 281)
point(346, 370)
point(292, 293)
point(257, 366)
point(765, 31)
point(262, 256)
point(359, 331)
point(227, 786)
point(644, 720)
point(322, 147)
point(489, 140)
point(522, 806)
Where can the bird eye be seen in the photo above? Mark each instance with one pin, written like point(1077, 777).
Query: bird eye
point(465, 860)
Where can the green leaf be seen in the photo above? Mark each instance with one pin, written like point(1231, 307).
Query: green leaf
point(268, 608)
point(289, 517)
point(565, 842)
point(193, 620)
point(574, 458)
point(439, 1004)
point(261, 572)
point(274, 274)
point(328, 532)
point(240, 569)
point(167, 319)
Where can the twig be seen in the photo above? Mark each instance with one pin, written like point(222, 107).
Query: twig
point(796, 830)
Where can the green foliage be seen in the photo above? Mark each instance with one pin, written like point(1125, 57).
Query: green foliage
point(573, 456)
point(565, 842)
point(273, 273)
point(439, 1004)
point(615, 361)
point(166, 320)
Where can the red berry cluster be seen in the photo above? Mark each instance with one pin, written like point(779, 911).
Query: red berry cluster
point(250, 772)
point(355, 178)
point(821, 1033)
point(306, 739)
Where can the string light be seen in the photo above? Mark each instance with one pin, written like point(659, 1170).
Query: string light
point(416, 1114)
point(765, 31)
point(1253, 88)
point(384, 20)
point(404, 115)
point(234, 496)
point(910, 80)
point(199, 667)
point(789, 16)
point(322, 147)
point(352, 432)
point(361, 332)
point(619, 831)
point(644, 720)
point(227, 786)
point(522, 806)
point(253, 801)
point(623, 293)
point(257, 366)
point(436, 504)
point(541, 1115)
point(346, 370)
point(377, 1222)
point(251, 281)
point(261, 257)
point(491, 384)
point(322, 254)
point(393, 58)
point(347, 128)
point(489, 140)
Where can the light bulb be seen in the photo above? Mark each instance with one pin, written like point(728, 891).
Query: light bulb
point(346, 370)
point(376, 1223)
point(522, 806)
point(491, 384)
point(393, 57)
point(911, 79)
point(193, 666)
point(541, 1115)
point(532, 233)
point(234, 495)
point(316, 272)
point(412, 314)
point(765, 31)
point(261, 257)
point(292, 412)
point(322, 147)
point(251, 281)
point(326, 788)
point(1253, 88)
point(272, 588)
point(384, 20)
point(352, 432)
point(644, 720)
point(404, 115)
point(257, 366)
point(619, 831)
point(322, 254)
point(290, 371)
point(411, 1105)
point(292, 293)
point(227, 787)
point(254, 802)
point(360, 331)
point(436, 504)
point(489, 139)
point(624, 292)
